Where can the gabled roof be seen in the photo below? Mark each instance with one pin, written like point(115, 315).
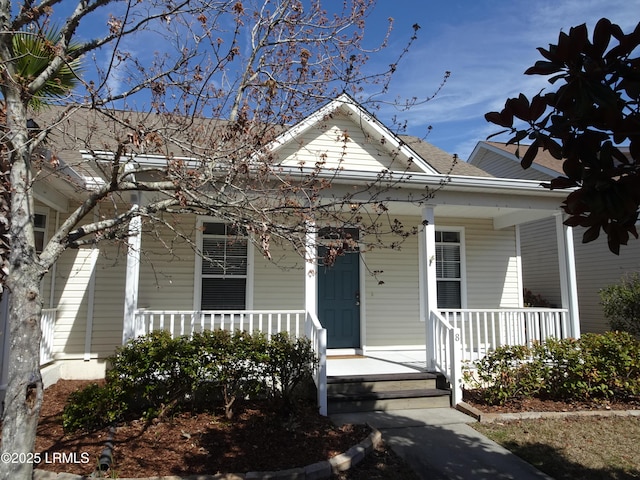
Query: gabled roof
point(350, 126)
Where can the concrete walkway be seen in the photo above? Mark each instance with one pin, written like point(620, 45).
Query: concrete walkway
point(439, 444)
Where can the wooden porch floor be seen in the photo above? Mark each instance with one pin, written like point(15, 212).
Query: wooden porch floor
point(376, 363)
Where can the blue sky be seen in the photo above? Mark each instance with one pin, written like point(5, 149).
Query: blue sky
point(487, 45)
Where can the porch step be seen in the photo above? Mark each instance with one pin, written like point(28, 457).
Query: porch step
point(364, 393)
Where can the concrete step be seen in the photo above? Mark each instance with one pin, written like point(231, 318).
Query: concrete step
point(387, 392)
point(381, 383)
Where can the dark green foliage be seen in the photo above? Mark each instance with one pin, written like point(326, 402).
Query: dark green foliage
point(592, 109)
point(232, 363)
point(289, 363)
point(595, 367)
point(93, 407)
point(155, 374)
point(621, 304)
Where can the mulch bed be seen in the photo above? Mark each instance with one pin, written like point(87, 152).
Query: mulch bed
point(257, 439)
point(517, 405)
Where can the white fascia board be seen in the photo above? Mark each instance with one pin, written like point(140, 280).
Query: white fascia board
point(145, 160)
point(412, 180)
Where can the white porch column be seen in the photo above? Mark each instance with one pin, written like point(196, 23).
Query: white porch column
point(428, 284)
point(568, 283)
point(133, 274)
point(311, 270)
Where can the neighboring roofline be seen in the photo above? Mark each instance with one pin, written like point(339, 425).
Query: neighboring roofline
point(487, 146)
point(370, 124)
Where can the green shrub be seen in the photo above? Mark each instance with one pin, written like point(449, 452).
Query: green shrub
point(289, 364)
point(595, 367)
point(621, 304)
point(504, 374)
point(93, 407)
point(233, 363)
point(155, 374)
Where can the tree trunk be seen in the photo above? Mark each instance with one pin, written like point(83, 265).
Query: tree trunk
point(24, 390)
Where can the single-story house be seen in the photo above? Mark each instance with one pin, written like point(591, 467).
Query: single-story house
point(453, 289)
point(596, 266)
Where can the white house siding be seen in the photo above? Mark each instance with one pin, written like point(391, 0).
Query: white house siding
point(596, 268)
point(541, 272)
point(72, 278)
point(278, 284)
point(167, 265)
point(109, 300)
point(327, 143)
point(392, 309)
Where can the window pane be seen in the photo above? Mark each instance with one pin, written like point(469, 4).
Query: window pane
point(451, 237)
point(448, 270)
point(449, 294)
point(39, 236)
point(223, 294)
point(224, 267)
point(214, 228)
point(40, 221)
point(224, 257)
point(448, 253)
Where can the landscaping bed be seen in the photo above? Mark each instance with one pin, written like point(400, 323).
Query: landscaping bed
point(256, 440)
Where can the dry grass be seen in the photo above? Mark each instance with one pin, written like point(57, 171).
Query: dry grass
point(574, 447)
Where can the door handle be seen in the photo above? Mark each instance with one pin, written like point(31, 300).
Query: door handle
point(358, 298)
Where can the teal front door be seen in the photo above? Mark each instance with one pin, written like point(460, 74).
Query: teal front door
point(339, 300)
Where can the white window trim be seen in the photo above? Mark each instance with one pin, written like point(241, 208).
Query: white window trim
point(47, 214)
point(463, 261)
point(197, 279)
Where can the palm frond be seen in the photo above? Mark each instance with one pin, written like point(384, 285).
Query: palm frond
point(34, 51)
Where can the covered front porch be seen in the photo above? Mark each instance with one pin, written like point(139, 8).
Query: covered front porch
point(460, 335)
point(440, 339)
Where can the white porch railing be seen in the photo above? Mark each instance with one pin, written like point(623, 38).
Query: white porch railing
point(47, 325)
point(318, 336)
point(296, 323)
point(460, 335)
point(484, 330)
point(187, 322)
point(444, 353)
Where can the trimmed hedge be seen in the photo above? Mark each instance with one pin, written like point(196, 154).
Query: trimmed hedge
point(596, 367)
point(155, 374)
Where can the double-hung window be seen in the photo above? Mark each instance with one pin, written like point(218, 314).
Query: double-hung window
point(224, 267)
point(449, 269)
